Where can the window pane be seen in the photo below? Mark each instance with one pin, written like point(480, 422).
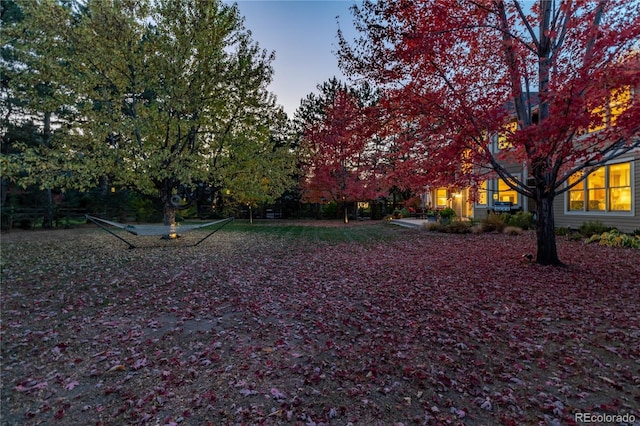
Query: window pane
point(597, 193)
point(505, 193)
point(441, 197)
point(620, 184)
point(482, 193)
point(598, 117)
point(620, 175)
point(596, 179)
point(621, 199)
point(576, 194)
point(576, 199)
point(597, 199)
point(620, 100)
point(510, 128)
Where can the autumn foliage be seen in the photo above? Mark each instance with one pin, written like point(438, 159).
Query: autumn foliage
point(403, 327)
point(454, 77)
point(338, 162)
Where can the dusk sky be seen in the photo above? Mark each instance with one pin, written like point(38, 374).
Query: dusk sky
point(303, 34)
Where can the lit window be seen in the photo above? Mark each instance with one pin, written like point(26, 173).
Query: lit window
point(607, 189)
point(598, 119)
point(607, 114)
point(576, 194)
point(510, 129)
point(506, 194)
point(620, 187)
point(482, 193)
point(620, 100)
point(596, 190)
point(441, 197)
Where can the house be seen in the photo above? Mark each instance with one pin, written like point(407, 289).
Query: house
point(610, 194)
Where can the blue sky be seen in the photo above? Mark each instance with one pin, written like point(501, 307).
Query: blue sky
point(303, 34)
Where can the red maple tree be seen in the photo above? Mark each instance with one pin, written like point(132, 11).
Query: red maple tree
point(338, 162)
point(456, 75)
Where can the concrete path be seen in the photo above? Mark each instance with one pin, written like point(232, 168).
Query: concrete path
point(410, 223)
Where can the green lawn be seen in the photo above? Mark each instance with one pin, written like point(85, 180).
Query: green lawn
point(325, 231)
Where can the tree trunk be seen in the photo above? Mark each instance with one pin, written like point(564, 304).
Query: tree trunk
point(346, 213)
point(547, 251)
point(169, 209)
point(47, 222)
point(170, 220)
point(169, 214)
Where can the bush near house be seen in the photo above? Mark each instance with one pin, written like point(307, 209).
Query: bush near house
point(614, 238)
point(447, 213)
point(594, 227)
point(522, 220)
point(493, 222)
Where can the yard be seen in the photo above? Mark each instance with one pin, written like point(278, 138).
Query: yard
point(315, 323)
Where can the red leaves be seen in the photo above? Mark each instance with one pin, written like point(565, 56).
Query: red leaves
point(338, 161)
point(451, 328)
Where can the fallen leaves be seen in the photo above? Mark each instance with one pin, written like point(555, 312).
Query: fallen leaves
point(253, 328)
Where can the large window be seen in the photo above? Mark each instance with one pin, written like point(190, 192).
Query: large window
point(441, 197)
point(505, 194)
point(607, 189)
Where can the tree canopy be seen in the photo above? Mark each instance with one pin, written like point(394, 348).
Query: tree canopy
point(337, 148)
point(454, 77)
point(164, 94)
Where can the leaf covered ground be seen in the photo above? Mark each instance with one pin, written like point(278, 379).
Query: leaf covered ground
point(293, 326)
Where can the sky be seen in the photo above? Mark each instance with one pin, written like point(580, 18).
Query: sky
point(303, 34)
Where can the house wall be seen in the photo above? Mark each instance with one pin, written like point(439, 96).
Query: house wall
point(624, 221)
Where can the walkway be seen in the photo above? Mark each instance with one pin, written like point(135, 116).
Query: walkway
point(410, 222)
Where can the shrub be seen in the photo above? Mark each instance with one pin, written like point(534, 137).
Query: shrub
point(447, 213)
point(330, 210)
point(25, 224)
point(476, 229)
point(493, 222)
point(399, 214)
point(575, 236)
point(591, 228)
point(433, 226)
point(512, 230)
point(522, 220)
point(614, 238)
point(454, 227)
point(457, 227)
point(145, 209)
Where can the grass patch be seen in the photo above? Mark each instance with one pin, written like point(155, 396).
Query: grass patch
point(325, 231)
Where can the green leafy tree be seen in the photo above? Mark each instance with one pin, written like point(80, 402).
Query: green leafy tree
point(34, 112)
point(166, 101)
point(262, 164)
